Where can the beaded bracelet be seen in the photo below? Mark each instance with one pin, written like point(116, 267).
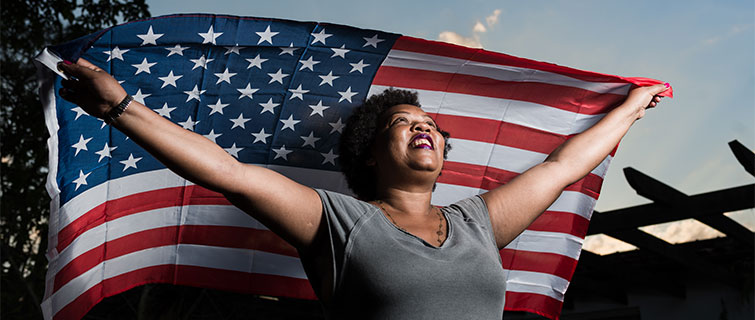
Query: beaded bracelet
point(116, 112)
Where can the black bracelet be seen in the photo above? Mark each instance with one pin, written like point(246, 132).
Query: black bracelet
point(116, 112)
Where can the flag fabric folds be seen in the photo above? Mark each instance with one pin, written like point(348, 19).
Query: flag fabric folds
point(276, 93)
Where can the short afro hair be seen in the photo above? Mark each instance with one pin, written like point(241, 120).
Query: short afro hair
point(359, 135)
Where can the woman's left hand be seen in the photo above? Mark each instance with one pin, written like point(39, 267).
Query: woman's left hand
point(642, 98)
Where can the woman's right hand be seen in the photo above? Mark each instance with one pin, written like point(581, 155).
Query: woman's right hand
point(90, 87)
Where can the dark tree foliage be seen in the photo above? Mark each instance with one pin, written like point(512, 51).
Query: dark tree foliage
point(27, 26)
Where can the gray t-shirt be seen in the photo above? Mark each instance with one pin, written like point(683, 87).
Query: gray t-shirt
point(382, 272)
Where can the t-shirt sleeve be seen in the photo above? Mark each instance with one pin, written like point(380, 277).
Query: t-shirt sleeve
point(341, 212)
point(475, 209)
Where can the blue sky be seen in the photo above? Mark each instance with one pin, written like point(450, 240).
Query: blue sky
point(705, 49)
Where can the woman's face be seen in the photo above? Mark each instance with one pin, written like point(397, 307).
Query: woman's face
point(408, 138)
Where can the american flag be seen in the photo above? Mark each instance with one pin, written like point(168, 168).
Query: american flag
point(276, 93)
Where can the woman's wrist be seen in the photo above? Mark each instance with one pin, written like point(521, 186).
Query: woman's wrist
point(114, 112)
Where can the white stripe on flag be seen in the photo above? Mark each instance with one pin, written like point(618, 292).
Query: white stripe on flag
point(536, 282)
point(551, 242)
point(527, 114)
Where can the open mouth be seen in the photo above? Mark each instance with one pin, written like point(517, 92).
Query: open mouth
point(422, 141)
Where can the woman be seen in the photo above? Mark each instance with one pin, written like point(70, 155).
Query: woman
point(390, 254)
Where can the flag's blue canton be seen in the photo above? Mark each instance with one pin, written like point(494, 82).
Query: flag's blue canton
point(268, 91)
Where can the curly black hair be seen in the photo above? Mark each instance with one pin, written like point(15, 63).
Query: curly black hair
point(359, 135)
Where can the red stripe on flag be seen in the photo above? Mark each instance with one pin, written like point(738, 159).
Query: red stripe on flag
point(405, 43)
point(556, 96)
point(535, 303)
point(488, 178)
point(220, 236)
point(190, 276)
point(563, 222)
point(502, 133)
point(542, 262)
point(136, 203)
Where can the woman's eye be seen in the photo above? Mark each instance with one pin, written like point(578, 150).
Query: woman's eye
point(397, 120)
point(432, 124)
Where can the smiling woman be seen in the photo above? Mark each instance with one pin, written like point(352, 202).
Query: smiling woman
point(391, 254)
point(360, 134)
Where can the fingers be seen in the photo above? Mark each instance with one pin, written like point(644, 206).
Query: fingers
point(658, 88)
point(84, 63)
point(77, 70)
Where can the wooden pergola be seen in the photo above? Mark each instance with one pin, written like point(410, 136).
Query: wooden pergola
point(658, 265)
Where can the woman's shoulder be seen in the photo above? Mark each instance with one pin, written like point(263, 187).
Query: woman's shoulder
point(472, 208)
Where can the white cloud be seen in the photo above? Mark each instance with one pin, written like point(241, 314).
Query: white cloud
point(479, 27)
point(493, 18)
point(455, 38)
point(602, 244)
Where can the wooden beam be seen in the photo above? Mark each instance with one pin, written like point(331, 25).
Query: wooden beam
point(745, 156)
point(664, 194)
point(701, 267)
point(700, 205)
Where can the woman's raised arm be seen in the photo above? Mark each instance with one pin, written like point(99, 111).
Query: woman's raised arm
point(515, 205)
point(289, 209)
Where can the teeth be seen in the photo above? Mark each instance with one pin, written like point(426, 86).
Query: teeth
point(420, 142)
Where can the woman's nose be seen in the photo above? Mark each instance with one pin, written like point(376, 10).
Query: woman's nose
point(421, 126)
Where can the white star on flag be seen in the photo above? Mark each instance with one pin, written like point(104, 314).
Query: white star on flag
point(105, 152)
point(165, 110)
point(79, 112)
point(224, 77)
point(318, 109)
point(308, 64)
point(170, 79)
point(209, 36)
point(266, 35)
point(194, 93)
point(130, 162)
point(235, 49)
point(81, 145)
point(329, 157)
point(359, 66)
point(201, 62)
point(178, 49)
point(320, 37)
point(81, 180)
point(297, 93)
point(233, 150)
point(247, 92)
point(261, 136)
point(150, 37)
point(143, 67)
point(188, 124)
point(212, 136)
point(269, 106)
point(346, 95)
point(217, 107)
point(139, 96)
point(310, 139)
point(328, 78)
point(239, 122)
point(373, 41)
point(282, 153)
point(277, 77)
point(340, 52)
point(290, 123)
point(337, 126)
point(255, 62)
point(288, 50)
point(116, 53)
